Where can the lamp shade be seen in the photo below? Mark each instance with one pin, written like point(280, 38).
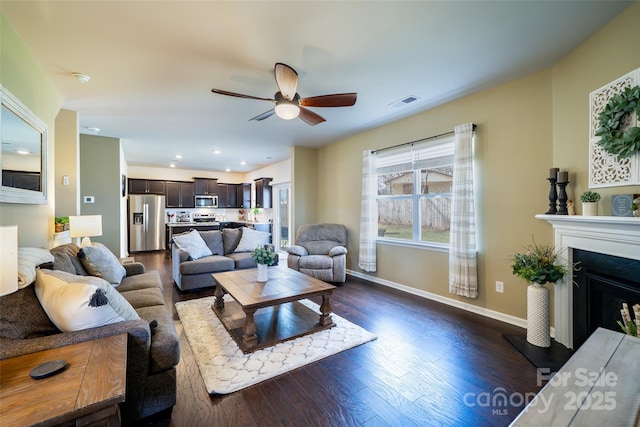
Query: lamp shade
point(287, 111)
point(8, 259)
point(85, 226)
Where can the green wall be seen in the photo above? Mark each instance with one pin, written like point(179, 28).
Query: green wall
point(100, 178)
point(24, 78)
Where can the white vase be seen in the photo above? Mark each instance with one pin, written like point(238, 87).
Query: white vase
point(590, 208)
point(538, 316)
point(262, 273)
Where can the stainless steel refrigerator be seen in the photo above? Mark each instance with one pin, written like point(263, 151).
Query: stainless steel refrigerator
point(146, 223)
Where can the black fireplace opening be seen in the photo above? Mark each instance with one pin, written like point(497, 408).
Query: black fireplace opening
point(602, 284)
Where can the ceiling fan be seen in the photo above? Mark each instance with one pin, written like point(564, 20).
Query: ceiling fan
point(289, 105)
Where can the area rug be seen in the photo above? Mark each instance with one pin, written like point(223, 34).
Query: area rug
point(225, 368)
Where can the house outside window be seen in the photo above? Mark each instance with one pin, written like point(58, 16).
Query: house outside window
point(414, 192)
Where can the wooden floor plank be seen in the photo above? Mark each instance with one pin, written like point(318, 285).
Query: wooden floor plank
point(427, 357)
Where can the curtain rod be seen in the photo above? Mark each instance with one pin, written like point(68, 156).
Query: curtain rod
point(419, 140)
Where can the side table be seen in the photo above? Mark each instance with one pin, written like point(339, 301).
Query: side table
point(87, 392)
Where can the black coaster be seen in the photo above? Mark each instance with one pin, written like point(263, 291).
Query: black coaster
point(47, 369)
point(552, 358)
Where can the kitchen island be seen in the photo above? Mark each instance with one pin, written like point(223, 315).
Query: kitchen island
point(183, 227)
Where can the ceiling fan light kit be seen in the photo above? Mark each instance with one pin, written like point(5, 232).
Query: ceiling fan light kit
point(289, 105)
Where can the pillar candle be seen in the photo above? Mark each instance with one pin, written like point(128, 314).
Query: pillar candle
point(563, 176)
point(553, 173)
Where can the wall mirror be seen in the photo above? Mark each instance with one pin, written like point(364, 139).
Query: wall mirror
point(24, 152)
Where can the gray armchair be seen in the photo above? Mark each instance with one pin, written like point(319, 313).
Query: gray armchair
point(320, 251)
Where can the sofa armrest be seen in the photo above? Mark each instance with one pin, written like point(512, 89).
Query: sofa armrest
point(337, 250)
point(297, 250)
point(138, 331)
point(134, 268)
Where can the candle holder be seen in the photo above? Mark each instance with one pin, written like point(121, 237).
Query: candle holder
point(553, 197)
point(562, 199)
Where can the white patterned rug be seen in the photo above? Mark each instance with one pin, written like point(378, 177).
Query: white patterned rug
point(225, 368)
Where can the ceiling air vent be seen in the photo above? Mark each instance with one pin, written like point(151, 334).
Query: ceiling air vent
point(404, 101)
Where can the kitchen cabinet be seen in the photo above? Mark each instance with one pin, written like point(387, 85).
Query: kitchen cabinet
point(227, 196)
point(179, 194)
point(146, 186)
point(263, 192)
point(243, 195)
point(206, 186)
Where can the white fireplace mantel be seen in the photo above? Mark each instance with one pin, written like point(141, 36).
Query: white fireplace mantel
point(611, 235)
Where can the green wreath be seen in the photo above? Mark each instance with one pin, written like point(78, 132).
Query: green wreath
point(613, 139)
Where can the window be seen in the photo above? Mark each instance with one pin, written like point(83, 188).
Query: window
point(414, 192)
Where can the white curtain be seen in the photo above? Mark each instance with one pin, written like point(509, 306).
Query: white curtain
point(368, 213)
point(463, 270)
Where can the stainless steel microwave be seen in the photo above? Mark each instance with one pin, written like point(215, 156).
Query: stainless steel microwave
point(206, 201)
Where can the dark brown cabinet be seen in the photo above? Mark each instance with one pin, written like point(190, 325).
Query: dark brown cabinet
point(243, 195)
point(227, 195)
point(206, 186)
point(146, 186)
point(179, 194)
point(263, 192)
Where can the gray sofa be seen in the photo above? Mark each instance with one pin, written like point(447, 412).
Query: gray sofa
point(152, 351)
point(190, 274)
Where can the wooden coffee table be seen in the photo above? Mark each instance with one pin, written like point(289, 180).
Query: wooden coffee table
point(264, 314)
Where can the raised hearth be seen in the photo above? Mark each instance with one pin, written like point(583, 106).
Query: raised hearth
point(616, 236)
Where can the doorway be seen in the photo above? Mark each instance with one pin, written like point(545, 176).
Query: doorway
point(282, 216)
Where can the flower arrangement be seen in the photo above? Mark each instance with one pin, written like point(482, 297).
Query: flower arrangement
point(538, 264)
point(264, 255)
point(590, 196)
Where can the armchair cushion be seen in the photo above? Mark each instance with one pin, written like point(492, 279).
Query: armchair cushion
point(316, 262)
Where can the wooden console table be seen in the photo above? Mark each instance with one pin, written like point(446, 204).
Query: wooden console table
point(87, 391)
point(598, 386)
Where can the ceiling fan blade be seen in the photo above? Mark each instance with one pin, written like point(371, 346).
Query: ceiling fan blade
point(309, 117)
point(239, 95)
point(287, 80)
point(335, 100)
point(264, 115)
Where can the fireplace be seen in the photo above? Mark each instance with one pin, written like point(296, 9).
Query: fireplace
point(617, 237)
point(602, 283)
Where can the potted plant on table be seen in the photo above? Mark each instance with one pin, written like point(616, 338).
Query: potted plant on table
point(537, 266)
point(264, 256)
point(61, 223)
point(590, 203)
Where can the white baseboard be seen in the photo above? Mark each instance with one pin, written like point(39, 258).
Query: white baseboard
point(512, 320)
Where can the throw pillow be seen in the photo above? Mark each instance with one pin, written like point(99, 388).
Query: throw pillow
point(28, 260)
point(73, 306)
point(99, 261)
point(71, 250)
point(193, 244)
point(251, 239)
point(230, 239)
point(213, 239)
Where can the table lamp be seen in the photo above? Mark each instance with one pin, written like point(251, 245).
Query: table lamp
point(8, 259)
point(85, 226)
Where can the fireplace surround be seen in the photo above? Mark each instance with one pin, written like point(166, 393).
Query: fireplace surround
point(615, 236)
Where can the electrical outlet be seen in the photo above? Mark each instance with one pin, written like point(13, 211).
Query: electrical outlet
point(500, 287)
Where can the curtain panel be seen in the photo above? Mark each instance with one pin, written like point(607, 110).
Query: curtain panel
point(368, 213)
point(463, 269)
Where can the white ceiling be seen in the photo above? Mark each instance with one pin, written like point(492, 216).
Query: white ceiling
point(153, 64)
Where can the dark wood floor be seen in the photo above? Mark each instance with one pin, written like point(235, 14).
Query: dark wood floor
point(431, 365)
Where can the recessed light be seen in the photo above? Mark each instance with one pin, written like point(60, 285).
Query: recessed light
point(227, 170)
point(243, 163)
point(82, 78)
point(23, 152)
point(178, 156)
point(216, 151)
point(172, 165)
point(93, 129)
